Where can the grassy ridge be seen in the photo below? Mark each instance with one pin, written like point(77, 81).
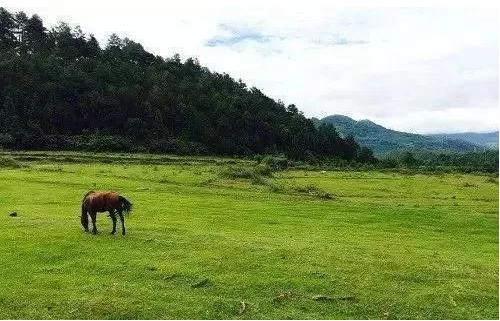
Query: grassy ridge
point(201, 242)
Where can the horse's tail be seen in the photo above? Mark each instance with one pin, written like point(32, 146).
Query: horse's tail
point(85, 197)
point(84, 218)
point(126, 205)
point(88, 193)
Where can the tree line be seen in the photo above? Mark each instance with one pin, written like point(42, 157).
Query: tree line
point(60, 90)
point(483, 161)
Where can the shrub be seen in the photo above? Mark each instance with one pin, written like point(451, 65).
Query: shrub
point(388, 163)
point(276, 163)
point(255, 173)
point(491, 180)
point(313, 190)
point(264, 170)
point(238, 172)
point(9, 162)
point(275, 188)
point(58, 142)
point(258, 180)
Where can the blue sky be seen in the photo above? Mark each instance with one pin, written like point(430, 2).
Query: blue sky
point(236, 34)
point(425, 70)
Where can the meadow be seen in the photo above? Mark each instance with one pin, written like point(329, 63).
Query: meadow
point(206, 239)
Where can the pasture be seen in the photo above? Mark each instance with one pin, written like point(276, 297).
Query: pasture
point(302, 244)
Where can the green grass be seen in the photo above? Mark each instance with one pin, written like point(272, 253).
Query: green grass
point(199, 243)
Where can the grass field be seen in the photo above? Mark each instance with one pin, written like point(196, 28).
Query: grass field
point(205, 245)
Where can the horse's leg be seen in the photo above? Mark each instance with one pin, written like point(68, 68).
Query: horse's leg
point(122, 219)
point(93, 216)
point(87, 222)
point(113, 218)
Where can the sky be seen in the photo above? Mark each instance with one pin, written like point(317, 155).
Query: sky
point(422, 70)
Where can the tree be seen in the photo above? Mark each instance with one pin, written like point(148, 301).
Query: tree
point(61, 82)
point(34, 33)
point(9, 120)
point(366, 155)
point(92, 48)
point(351, 148)
point(7, 25)
point(292, 109)
point(408, 159)
point(136, 129)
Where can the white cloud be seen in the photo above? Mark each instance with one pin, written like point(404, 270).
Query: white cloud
point(422, 70)
point(431, 121)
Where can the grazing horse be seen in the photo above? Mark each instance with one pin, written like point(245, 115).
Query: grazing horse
point(94, 202)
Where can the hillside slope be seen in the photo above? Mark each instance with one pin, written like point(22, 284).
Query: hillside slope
point(383, 140)
point(60, 90)
point(489, 140)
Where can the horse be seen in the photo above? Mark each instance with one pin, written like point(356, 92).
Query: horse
point(94, 202)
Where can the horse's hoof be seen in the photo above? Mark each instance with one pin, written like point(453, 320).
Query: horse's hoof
point(113, 233)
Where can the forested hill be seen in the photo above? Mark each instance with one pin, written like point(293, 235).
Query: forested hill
point(60, 90)
point(489, 140)
point(383, 140)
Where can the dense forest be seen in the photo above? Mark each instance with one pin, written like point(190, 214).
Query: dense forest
point(60, 90)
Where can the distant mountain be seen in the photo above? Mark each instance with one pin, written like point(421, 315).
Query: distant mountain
point(383, 140)
point(489, 140)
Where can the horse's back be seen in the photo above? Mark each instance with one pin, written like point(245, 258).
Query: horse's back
point(103, 201)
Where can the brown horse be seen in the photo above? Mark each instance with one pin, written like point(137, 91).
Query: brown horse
point(94, 202)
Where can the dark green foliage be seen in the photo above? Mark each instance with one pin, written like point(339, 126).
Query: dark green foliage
point(9, 162)
point(486, 161)
point(60, 90)
point(366, 155)
point(388, 163)
point(276, 163)
point(408, 159)
point(6, 140)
